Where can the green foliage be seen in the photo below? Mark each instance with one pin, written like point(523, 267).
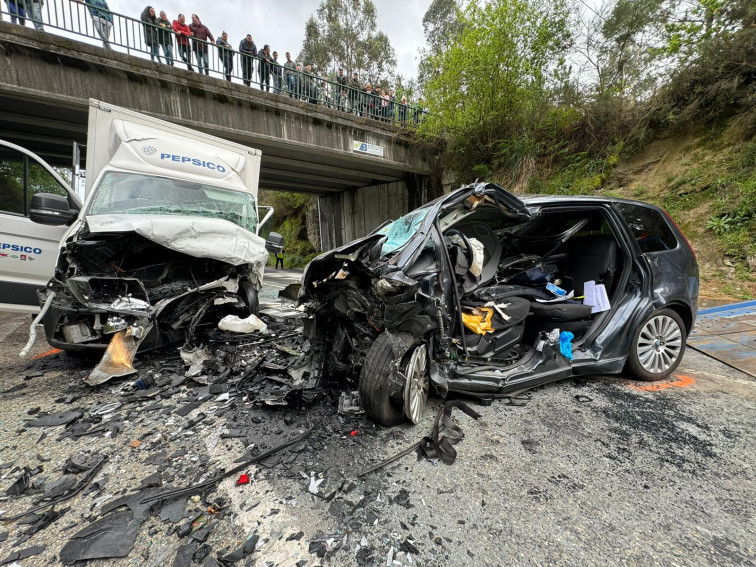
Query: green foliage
point(344, 33)
point(290, 220)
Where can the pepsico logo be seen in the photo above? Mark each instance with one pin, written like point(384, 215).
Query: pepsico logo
point(149, 150)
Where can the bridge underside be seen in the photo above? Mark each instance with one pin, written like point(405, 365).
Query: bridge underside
point(46, 81)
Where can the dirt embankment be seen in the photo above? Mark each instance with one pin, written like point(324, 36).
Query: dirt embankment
point(696, 179)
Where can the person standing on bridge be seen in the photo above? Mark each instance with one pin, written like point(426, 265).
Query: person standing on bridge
point(201, 35)
point(33, 9)
point(265, 60)
point(277, 74)
point(17, 12)
point(183, 33)
point(151, 30)
point(226, 53)
point(102, 19)
point(165, 36)
point(248, 51)
point(354, 93)
point(290, 70)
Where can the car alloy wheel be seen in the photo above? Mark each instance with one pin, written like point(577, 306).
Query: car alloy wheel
point(417, 385)
point(659, 344)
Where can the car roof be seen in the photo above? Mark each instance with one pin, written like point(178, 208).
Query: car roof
point(540, 199)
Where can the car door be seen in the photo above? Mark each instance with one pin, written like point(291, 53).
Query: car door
point(28, 251)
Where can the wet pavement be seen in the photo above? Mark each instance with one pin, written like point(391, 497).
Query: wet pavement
point(595, 470)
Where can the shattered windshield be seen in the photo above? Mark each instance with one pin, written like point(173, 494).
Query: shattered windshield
point(399, 232)
point(137, 194)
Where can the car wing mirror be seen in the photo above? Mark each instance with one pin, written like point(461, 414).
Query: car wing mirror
point(47, 208)
point(274, 244)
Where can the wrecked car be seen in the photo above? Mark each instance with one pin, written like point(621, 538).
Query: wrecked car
point(485, 294)
point(166, 240)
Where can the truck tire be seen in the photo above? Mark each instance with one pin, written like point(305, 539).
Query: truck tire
point(249, 295)
point(376, 373)
point(658, 346)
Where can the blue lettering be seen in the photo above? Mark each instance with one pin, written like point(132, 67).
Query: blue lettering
point(185, 159)
point(37, 251)
point(210, 165)
point(221, 169)
point(19, 248)
point(174, 157)
point(196, 162)
point(165, 156)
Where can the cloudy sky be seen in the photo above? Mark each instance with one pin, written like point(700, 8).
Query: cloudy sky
point(281, 24)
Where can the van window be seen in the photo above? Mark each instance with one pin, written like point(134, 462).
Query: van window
point(649, 228)
point(39, 180)
point(11, 181)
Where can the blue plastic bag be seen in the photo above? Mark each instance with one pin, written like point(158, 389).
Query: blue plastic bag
point(565, 344)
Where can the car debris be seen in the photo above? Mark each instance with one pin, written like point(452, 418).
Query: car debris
point(482, 292)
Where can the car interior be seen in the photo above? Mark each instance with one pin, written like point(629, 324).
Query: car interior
point(506, 296)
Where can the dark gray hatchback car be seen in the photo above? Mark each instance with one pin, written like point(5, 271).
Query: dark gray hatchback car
point(484, 293)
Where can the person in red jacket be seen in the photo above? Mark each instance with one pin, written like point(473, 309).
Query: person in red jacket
point(200, 32)
point(183, 33)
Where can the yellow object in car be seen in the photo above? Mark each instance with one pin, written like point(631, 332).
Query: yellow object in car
point(478, 320)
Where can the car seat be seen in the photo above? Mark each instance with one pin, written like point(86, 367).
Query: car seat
point(590, 258)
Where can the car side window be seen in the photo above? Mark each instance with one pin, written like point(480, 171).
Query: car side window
point(11, 181)
point(39, 180)
point(649, 228)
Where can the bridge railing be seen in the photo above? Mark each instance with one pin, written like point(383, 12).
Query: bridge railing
point(77, 20)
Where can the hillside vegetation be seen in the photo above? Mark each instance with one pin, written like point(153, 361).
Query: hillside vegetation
point(646, 99)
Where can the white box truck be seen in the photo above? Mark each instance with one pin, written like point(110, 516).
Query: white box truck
point(165, 240)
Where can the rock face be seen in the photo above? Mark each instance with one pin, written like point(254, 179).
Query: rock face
point(751, 260)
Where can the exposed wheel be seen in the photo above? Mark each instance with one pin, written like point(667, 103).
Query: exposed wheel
point(417, 385)
point(658, 346)
point(249, 294)
point(376, 384)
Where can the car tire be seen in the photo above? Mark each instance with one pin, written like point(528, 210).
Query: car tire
point(249, 295)
point(376, 374)
point(658, 346)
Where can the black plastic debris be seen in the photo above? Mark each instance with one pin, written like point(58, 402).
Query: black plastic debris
point(44, 520)
point(185, 555)
point(21, 485)
point(326, 543)
point(247, 548)
point(55, 419)
point(23, 554)
point(3, 536)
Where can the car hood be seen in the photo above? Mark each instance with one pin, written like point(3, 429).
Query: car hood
point(217, 239)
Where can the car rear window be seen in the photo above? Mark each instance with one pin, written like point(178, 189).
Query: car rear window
point(649, 228)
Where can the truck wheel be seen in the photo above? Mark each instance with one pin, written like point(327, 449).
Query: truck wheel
point(658, 346)
point(375, 378)
point(248, 293)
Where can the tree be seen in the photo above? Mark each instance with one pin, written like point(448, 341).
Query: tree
point(492, 85)
point(441, 26)
point(344, 33)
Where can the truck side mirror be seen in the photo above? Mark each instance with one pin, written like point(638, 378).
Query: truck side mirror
point(275, 243)
point(47, 208)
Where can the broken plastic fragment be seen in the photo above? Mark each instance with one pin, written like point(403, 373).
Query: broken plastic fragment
point(565, 344)
point(314, 484)
point(353, 433)
point(243, 479)
point(119, 356)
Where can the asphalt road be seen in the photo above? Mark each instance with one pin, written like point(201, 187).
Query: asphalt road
point(590, 471)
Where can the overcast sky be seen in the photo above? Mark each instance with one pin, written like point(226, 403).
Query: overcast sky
point(281, 24)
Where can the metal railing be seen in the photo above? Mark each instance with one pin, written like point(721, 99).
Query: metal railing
point(77, 20)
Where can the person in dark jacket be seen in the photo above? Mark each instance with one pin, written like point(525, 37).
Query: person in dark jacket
point(340, 94)
point(248, 51)
point(151, 38)
point(183, 33)
point(226, 53)
point(201, 34)
point(165, 37)
point(265, 61)
point(310, 85)
point(354, 93)
point(277, 71)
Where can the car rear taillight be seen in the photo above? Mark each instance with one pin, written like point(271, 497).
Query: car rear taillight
point(683, 234)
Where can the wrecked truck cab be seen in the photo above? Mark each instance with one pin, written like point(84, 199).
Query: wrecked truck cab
point(483, 293)
point(166, 241)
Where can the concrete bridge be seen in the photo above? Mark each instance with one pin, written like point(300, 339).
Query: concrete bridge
point(46, 81)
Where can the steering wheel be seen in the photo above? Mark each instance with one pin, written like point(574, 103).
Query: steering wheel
point(468, 245)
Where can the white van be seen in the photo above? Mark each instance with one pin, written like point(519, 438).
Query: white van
point(166, 239)
point(28, 251)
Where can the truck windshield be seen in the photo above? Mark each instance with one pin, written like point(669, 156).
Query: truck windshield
point(136, 194)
